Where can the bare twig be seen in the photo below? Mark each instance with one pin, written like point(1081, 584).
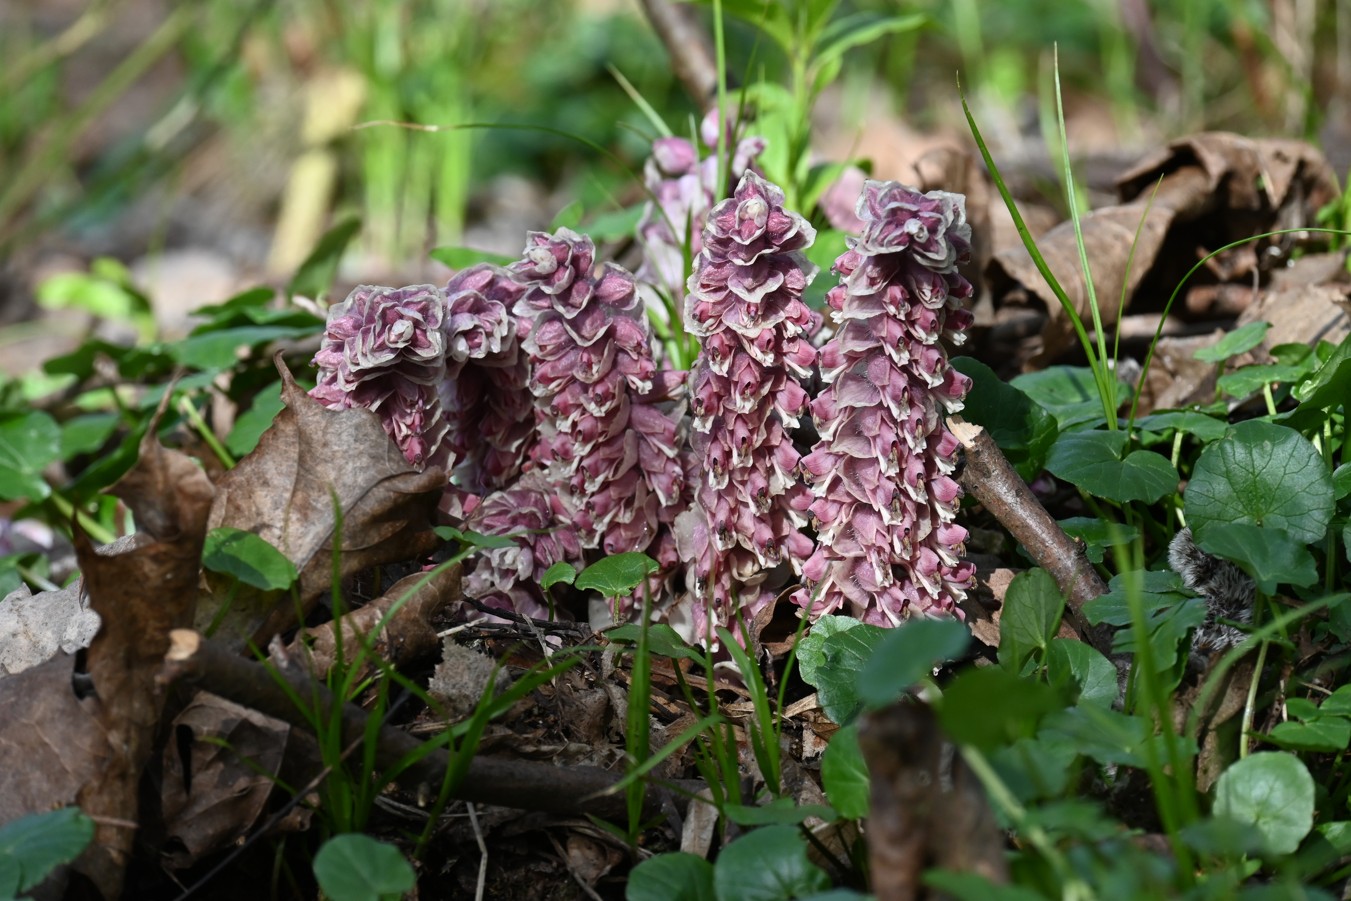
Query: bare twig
point(508, 783)
point(544, 625)
point(991, 479)
point(687, 45)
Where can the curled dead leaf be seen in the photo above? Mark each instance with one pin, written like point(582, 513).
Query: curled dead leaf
point(313, 468)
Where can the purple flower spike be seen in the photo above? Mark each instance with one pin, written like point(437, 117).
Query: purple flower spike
point(532, 512)
point(745, 302)
point(384, 350)
point(602, 436)
point(883, 496)
point(485, 391)
point(682, 187)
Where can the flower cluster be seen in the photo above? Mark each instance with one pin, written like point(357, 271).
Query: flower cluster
point(601, 431)
point(682, 187)
point(384, 350)
point(531, 511)
point(485, 392)
point(884, 499)
point(745, 302)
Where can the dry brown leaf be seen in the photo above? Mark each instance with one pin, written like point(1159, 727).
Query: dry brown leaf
point(57, 748)
point(51, 744)
point(1306, 302)
point(140, 595)
point(309, 462)
point(214, 796)
point(1109, 235)
point(1201, 192)
point(410, 605)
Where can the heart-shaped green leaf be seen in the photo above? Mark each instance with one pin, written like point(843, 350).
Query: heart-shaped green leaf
point(617, 574)
point(1097, 463)
point(1273, 791)
point(1263, 475)
point(1269, 555)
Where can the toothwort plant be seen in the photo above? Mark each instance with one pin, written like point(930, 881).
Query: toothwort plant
point(605, 435)
point(883, 496)
point(485, 391)
point(745, 302)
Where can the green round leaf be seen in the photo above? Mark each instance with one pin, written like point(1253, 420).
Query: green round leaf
point(1020, 426)
point(990, 706)
point(907, 654)
point(28, 443)
point(356, 867)
point(810, 657)
point(844, 775)
point(86, 434)
point(780, 811)
point(248, 558)
point(1078, 664)
point(1034, 769)
point(1331, 383)
point(1190, 422)
point(315, 276)
point(617, 574)
point(1324, 735)
point(1067, 392)
point(1093, 461)
point(1269, 555)
point(33, 846)
point(1263, 475)
point(1341, 480)
point(662, 640)
point(562, 571)
point(250, 425)
point(676, 876)
point(1273, 791)
point(1098, 534)
point(838, 658)
point(768, 864)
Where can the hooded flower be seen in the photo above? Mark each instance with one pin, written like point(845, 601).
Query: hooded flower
point(883, 496)
point(745, 302)
point(384, 349)
point(682, 187)
point(485, 391)
point(603, 436)
point(532, 512)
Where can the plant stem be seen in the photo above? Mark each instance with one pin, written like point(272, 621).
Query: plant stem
point(194, 416)
point(1245, 730)
point(68, 511)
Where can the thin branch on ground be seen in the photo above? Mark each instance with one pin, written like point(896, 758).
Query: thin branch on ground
point(991, 479)
point(544, 625)
point(522, 784)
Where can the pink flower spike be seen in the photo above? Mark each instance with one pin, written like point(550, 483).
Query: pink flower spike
point(745, 302)
point(889, 547)
point(609, 447)
point(384, 349)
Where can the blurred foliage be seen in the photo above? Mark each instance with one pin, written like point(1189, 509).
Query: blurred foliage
point(531, 79)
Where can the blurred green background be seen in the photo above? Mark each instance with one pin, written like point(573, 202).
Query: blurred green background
point(131, 128)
